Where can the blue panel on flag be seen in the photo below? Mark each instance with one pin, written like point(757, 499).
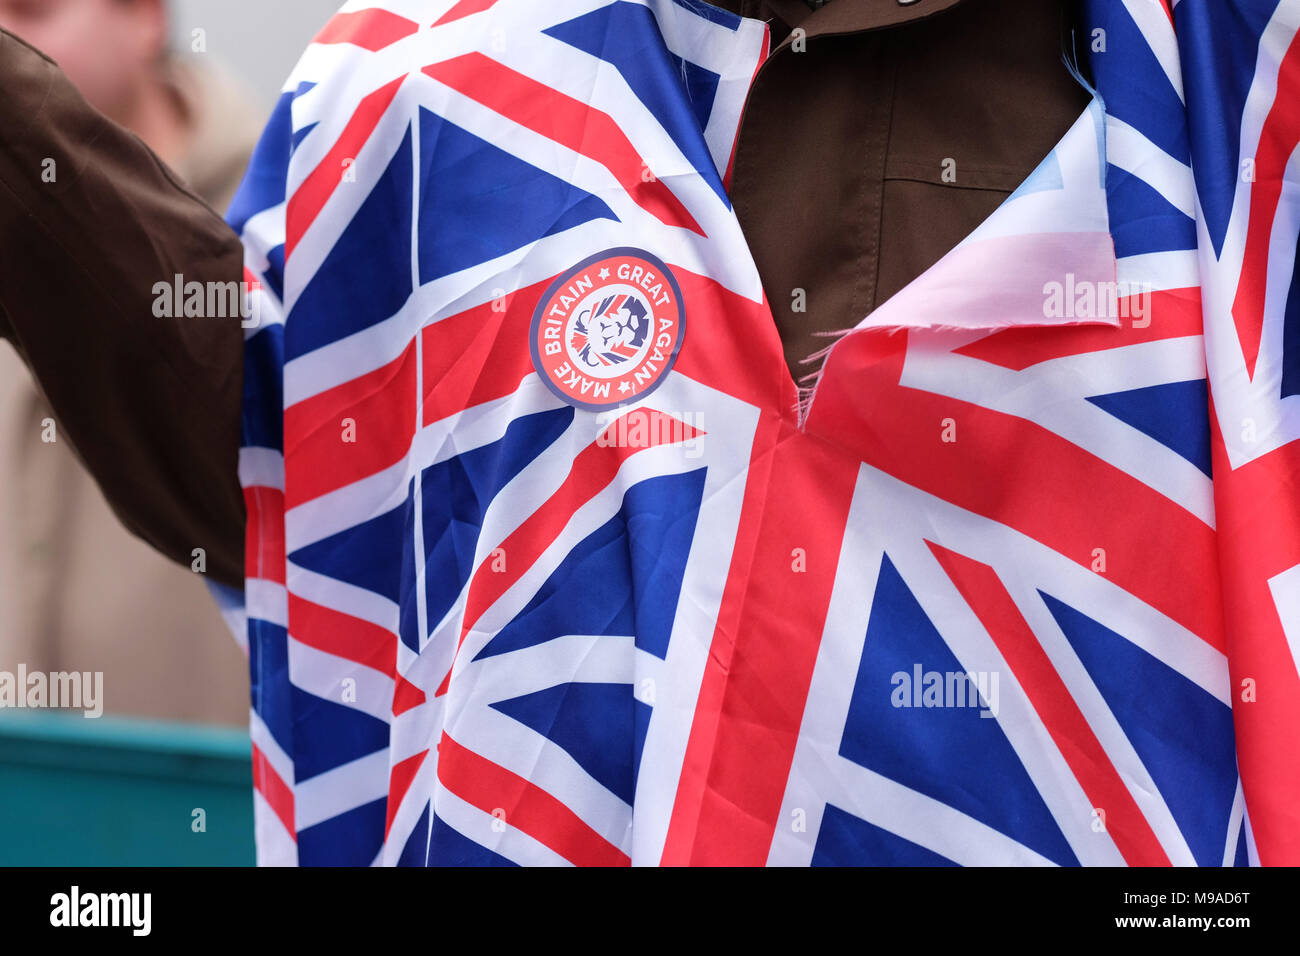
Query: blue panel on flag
point(595, 724)
point(367, 555)
point(328, 735)
point(626, 36)
point(264, 183)
point(1291, 333)
point(448, 847)
point(415, 852)
point(349, 839)
point(701, 87)
point(622, 579)
point(478, 202)
point(262, 416)
point(949, 753)
point(268, 672)
point(1176, 414)
point(457, 492)
point(300, 135)
point(1142, 220)
point(846, 840)
point(661, 515)
point(1219, 45)
point(1131, 81)
point(1181, 733)
point(274, 274)
point(366, 277)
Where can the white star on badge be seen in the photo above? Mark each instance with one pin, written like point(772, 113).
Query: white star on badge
point(625, 388)
point(604, 273)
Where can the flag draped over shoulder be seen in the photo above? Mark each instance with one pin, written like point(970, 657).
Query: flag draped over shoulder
point(548, 563)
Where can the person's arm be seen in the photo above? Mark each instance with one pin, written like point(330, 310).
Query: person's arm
point(90, 222)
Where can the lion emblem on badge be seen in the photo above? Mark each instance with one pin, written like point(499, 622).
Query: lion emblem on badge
point(611, 332)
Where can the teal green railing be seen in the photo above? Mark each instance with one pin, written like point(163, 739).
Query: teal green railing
point(117, 792)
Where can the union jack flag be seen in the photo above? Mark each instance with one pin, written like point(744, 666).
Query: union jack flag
point(994, 591)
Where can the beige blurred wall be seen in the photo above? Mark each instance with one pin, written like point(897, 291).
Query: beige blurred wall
point(259, 40)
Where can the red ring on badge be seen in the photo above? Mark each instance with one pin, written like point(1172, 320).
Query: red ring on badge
point(607, 332)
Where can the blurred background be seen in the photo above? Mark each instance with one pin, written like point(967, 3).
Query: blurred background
point(164, 777)
point(259, 40)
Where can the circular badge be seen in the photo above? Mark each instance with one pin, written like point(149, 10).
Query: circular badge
point(608, 330)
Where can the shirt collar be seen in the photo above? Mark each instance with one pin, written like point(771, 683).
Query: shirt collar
point(853, 16)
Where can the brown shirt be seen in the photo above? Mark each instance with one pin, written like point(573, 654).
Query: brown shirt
point(90, 220)
point(77, 592)
point(882, 137)
point(876, 137)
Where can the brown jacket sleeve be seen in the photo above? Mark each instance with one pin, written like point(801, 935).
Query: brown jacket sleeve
point(90, 221)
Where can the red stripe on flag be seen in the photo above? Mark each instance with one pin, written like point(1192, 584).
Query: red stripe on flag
point(1267, 726)
point(349, 432)
point(253, 283)
point(264, 534)
point(750, 367)
point(592, 471)
point(406, 696)
point(1172, 314)
point(309, 199)
point(983, 590)
point(371, 29)
point(1262, 498)
point(1277, 141)
point(526, 807)
point(464, 9)
point(399, 781)
point(478, 355)
point(568, 121)
point(764, 648)
point(276, 793)
point(1258, 510)
point(1020, 474)
point(342, 635)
